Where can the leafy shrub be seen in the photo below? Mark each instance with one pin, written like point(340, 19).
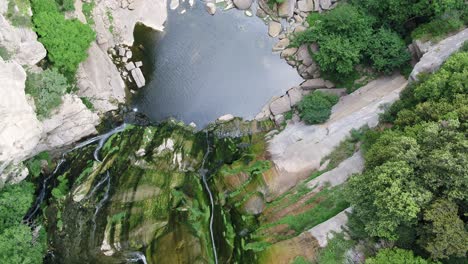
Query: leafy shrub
point(66, 40)
point(387, 51)
point(34, 164)
point(396, 256)
point(316, 107)
point(47, 89)
point(66, 5)
point(87, 103)
point(335, 250)
point(88, 12)
point(4, 53)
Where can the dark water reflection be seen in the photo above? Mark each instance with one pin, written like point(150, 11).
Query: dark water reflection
point(206, 66)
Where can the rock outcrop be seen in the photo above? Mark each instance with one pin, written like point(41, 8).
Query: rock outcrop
point(20, 130)
point(299, 149)
point(436, 54)
point(22, 135)
point(99, 80)
point(20, 43)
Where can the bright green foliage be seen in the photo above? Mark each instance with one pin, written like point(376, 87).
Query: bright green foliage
point(15, 201)
point(346, 38)
point(66, 40)
point(338, 55)
point(335, 250)
point(61, 190)
point(316, 107)
point(34, 164)
point(385, 198)
point(387, 51)
point(396, 256)
point(413, 189)
point(445, 234)
point(448, 81)
point(47, 89)
point(19, 246)
point(87, 103)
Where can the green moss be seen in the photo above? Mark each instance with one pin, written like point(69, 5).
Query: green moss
point(302, 260)
point(88, 11)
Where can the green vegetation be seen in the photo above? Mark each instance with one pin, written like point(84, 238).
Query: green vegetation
point(371, 33)
point(18, 13)
point(18, 244)
point(87, 103)
point(413, 190)
point(88, 11)
point(396, 256)
point(316, 107)
point(437, 28)
point(66, 40)
point(66, 5)
point(4, 53)
point(335, 250)
point(34, 164)
point(47, 89)
point(110, 17)
point(300, 260)
point(326, 204)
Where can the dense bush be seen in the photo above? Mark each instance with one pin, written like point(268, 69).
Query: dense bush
point(437, 28)
point(17, 243)
point(413, 190)
point(66, 40)
point(396, 256)
point(66, 5)
point(316, 107)
point(47, 89)
point(346, 38)
point(387, 51)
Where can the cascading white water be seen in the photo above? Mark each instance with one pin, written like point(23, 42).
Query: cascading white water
point(137, 256)
point(100, 138)
point(203, 172)
point(102, 201)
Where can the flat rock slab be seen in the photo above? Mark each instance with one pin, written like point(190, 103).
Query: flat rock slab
point(280, 105)
point(299, 148)
point(138, 77)
point(313, 84)
point(295, 95)
point(325, 230)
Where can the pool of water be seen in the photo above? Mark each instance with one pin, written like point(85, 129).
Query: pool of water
point(206, 66)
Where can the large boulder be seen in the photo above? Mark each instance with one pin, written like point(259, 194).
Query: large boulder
point(313, 84)
point(303, 55)
point(210, 8)
point(242, 4)
point(288, 52)
point(438, 53)
point(280, 105)
point(305, 5)
point(286, 9)
point(281, 45)
point(274, 28)
point(295, 95)
point(325, 4)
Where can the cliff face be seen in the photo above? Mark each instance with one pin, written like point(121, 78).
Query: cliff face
point(114, 22)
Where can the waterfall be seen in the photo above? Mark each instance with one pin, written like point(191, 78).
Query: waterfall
point(203, 172)
point(103, 200)
point(42, 193)
point(137, 256)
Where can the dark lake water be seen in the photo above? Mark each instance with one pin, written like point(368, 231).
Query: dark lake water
point(206, 66)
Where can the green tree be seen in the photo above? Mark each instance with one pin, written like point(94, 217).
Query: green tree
point(444, 232)
point(396, 256)
point(385, 198)
point(387, 51)
point(66, 40)
point(316, 107)
point(15, 201)
point(19, 246)
point(47, 89)
point(337, 55)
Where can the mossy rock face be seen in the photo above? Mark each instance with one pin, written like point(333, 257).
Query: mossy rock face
point(155, 203)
